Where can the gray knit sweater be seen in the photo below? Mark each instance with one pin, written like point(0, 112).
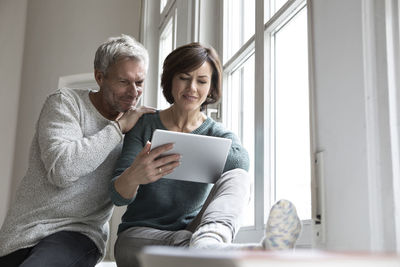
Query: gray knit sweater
point(71, 160)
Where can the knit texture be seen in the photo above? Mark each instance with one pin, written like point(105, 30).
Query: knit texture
point(71, 160)
point(283, 226)
point(168, 204)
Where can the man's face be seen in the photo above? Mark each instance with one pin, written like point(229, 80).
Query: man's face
point(122, 86)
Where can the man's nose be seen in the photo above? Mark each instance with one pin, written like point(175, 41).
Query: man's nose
point(133, 90)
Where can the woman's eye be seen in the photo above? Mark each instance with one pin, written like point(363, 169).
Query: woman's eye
point(202, 82)
point(184, 78)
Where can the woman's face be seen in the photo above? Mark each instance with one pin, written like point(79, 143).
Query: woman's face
point(190, 89)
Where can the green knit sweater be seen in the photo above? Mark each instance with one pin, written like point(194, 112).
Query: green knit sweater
point(168, 204)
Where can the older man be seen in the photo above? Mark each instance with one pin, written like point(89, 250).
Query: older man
point(60, 214)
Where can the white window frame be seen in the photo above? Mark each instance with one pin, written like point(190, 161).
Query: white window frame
point(168, 15)
point(260, 44)
point(393, 48)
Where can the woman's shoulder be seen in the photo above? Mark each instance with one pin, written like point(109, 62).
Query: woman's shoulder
point(146, 123)
point(215, 128)
point(151, 116)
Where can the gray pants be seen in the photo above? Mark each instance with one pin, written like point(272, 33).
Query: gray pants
point(221, 215)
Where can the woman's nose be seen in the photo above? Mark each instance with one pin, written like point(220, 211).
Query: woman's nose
point(192, 85)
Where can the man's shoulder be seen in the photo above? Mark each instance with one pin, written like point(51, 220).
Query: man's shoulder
point(68, 98)
point(70, 92)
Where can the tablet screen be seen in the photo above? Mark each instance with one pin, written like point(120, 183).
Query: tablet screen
point(202, 157)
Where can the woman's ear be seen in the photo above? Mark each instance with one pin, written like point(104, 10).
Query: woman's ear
point(209, 95)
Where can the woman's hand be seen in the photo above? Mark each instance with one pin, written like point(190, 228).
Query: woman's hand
point(128, 119)
point(147, 167)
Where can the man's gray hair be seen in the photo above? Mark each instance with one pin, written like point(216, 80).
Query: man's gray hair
point(116, 48)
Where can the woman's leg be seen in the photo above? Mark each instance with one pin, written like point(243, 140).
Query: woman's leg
point(221, 215)
point(218, 221)
point(131, 241)
point(283, 226)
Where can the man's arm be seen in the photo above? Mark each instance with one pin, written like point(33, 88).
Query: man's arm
point(66, 153)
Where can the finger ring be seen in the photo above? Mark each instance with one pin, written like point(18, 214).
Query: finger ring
point(159, 170)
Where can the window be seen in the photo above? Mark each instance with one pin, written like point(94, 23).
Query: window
point(291, 114)
point(239, 114)
point(163, 3)
point(238, 25)
point(276, 47)
point(283, 168)
point(174, 30)
point(263, 48)
point(167, 43)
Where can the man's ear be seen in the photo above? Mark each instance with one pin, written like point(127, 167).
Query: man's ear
point(99, 77)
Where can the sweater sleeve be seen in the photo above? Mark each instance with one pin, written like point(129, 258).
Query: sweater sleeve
point(238, 156)
point(133, 144)
point(66, 153)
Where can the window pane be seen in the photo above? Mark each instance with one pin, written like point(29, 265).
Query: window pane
point(292, 129)
point(272, 6)
point(163, 3)
point(240, 117)
point(278, 4)
point(238, 25)
point(166, 46)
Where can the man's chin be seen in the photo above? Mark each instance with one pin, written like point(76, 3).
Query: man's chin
point(127, 107)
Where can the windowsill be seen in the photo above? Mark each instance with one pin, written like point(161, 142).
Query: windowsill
point(106, 264)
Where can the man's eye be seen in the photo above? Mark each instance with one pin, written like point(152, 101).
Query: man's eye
point(140, 83)
point(124, 82)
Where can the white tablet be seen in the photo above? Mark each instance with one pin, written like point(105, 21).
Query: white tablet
point(203, 157)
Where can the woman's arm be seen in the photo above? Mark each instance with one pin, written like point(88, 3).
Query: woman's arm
point(136, 167)
point(238, 156)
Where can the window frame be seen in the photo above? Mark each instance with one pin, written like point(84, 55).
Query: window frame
point(261, 45)
point(168, 16)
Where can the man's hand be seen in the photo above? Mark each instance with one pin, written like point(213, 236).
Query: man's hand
point(128, 119)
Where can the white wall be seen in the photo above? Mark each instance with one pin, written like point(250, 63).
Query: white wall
point(339, 95)
point(352, 123)
point(61, 39)
point(12, 29)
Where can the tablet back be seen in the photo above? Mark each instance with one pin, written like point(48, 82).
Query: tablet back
point(203, 157)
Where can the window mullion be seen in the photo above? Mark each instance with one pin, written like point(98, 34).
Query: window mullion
point(283, 14)
point(241, 99)
point(259, 116)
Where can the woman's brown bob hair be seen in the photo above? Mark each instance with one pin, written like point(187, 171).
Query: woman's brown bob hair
point(186, 59)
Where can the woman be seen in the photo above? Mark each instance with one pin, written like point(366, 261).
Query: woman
point(171, 212)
